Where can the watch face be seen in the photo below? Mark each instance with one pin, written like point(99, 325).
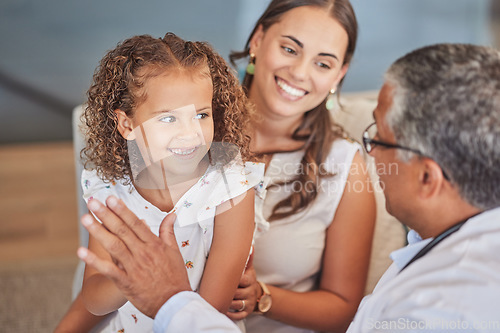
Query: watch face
point(265, 303)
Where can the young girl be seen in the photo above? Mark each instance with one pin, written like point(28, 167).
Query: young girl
point(165, 126)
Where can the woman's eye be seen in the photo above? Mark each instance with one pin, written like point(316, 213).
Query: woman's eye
point(323, 65)
point(167, 119)
point(201, 116)
point(288, 50)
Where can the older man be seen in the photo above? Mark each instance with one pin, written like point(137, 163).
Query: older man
point(438, 119)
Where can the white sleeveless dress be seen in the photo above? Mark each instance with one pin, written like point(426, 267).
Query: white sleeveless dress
point(288, 252)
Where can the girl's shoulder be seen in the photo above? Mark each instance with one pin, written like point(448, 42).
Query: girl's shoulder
point(220, 184)
point(236, 177)
point(94, 186)
point(217, 186)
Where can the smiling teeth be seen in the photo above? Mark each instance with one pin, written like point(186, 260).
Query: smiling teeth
point(290, 90)
point(182, 151)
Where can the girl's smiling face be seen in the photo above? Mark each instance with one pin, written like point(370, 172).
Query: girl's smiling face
point(298, 61)
point(174, 125)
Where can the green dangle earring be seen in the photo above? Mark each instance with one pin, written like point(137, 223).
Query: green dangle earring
point(251, 65)
point(330, 100)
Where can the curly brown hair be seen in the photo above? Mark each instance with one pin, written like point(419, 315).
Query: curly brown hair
point(117, 84)
point(317, 130)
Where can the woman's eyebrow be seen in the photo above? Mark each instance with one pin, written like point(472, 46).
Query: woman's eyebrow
point(301, 45)
point(329, 55)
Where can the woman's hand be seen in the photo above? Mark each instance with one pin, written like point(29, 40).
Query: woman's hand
point(248, 292)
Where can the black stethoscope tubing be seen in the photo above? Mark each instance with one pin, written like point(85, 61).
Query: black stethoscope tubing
point(439, 238)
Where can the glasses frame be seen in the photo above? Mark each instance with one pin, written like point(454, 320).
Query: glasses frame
point(369, 144)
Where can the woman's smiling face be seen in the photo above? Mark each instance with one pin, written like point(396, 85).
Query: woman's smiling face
point(298, 61)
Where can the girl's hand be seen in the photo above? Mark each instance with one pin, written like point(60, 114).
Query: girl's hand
point(248, 290)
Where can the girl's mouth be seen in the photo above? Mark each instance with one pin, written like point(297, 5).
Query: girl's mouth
point(183, 152)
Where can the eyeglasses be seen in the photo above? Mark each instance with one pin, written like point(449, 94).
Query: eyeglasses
point(369, 143)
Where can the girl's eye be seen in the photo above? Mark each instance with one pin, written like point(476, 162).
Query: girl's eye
point(201, 116)
point(167, 119)
point(288, 50)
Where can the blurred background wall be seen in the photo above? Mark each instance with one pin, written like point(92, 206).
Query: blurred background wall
point(49, 49)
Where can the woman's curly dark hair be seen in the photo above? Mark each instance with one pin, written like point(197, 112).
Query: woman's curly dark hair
point(117, 84)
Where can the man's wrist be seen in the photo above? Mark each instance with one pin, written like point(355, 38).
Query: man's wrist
point(167, 310)
point(163, 300)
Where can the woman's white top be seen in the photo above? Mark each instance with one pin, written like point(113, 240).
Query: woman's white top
point(288, 252)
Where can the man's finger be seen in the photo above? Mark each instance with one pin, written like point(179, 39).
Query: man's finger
point(138, 227)
point(110, 242)
point(113, 222)
point(105, 267)
point(167, 234)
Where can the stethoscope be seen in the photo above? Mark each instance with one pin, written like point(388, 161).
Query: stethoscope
point(439, 238)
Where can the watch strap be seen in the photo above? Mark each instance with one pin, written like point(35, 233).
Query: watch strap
point(265, 292)
point(265, 289)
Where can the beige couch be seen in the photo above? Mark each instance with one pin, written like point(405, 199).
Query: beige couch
point(390, 235)
point(355, 117)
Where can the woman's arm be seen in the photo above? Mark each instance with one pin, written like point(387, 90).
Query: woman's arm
point(344, 268)
point(345, 263)
point(100, 295)
point(233, 233)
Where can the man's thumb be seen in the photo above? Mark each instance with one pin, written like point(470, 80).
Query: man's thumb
point(167, 230)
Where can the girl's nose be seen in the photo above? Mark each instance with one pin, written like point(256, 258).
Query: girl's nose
point(189, 130)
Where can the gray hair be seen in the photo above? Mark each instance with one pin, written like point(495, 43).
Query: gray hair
point(446, 104)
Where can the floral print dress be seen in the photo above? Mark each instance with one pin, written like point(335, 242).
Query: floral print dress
point(193, 228)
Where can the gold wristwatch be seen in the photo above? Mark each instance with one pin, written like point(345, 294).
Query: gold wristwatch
point(265, 301)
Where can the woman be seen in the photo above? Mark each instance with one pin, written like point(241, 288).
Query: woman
point(314, 228)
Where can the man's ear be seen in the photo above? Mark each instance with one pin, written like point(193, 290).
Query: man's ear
point(125, 125)
point(256, 39)
point(431, 178)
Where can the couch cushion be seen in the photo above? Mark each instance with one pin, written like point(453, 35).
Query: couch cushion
point(355, 115)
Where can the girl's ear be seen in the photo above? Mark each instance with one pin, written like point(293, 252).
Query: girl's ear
point(125, 125)
point(256, 39)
